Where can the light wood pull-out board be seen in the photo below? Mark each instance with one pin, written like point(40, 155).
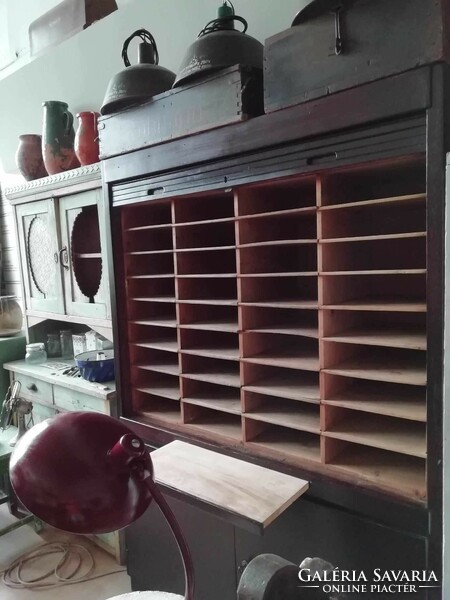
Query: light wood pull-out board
point(253, 494)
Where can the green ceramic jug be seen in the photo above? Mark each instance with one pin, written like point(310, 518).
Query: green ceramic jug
point(58, 138)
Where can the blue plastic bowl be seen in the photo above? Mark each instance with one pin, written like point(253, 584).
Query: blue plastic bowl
point(94, 369)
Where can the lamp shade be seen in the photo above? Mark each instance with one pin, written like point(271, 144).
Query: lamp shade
point(82, 472)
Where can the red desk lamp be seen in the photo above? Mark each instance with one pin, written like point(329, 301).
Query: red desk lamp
point(89, 473)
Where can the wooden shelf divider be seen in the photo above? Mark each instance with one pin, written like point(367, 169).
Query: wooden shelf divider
point(288, 318)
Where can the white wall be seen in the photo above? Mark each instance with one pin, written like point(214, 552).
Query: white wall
point(78, 70)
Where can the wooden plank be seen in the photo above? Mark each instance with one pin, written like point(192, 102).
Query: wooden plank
point(396, 337)
point(219, 376)
point(166, 345)
point(280, 274)
point(296, 359)
point(382, 432)
point(304, 331)
point(288, 443)
point(291, 212)
point(380, 304)
point(220, 400)
point(160, 322)
point(410, 198)
point(405, 475)
point(221, 352)
point(166, 368)
point(291, 386)
point(170, 299)
point(398, 369)
point(288, 414)
point(299, 242)
point(379, 272)
point(294, 303)
point(371, 238)
point(256, 493)
point(228, 325)
point(164, 391)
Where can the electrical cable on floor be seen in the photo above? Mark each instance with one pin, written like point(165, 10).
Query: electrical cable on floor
point(14, 577)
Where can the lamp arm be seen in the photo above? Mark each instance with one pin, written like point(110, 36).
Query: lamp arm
point(178, 535)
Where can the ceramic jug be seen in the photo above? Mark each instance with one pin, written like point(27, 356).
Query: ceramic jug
point(29, 159)
point(58, 138)
point(86, 138)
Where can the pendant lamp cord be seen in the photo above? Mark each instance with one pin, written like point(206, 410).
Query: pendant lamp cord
point(146, 37)
point(178, 535)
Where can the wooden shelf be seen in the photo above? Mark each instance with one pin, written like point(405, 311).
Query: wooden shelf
point(88, 255)
point(209, 301)
point(162, 276)
point(162, 367)
point(392, 400)
point(168, 346)
point(150, 227)
point(220, 374)
point(159, 322)
point(408, 199)
point(279, 243)
point(220, 425)
point(380, 304)
point(224, 352)
point(161, 415)
point(410, 338)
point(289, 386)
point(286, 413)
point(381, 432)
point(306, 210)
point(208, 276)
point(169, 299)
point(283, 442)
point(388, 367)
point(290, 320)
point(397, 474)
point(311, 332)
point(228, 325)
point(172, 393)
point(280, 274)
point(221, 402)
point(204, 249)
point(286, 359)
point(373, 238)
point(205, 222)
point(378, 272)
point(294, 303)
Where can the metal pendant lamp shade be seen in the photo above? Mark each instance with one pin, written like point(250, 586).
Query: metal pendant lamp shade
point(315, 8)
point(88, 473)
point(218, 46)
point(137, 83)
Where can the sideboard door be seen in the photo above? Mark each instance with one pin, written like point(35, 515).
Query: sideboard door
point(39, 253)
point(85, 285)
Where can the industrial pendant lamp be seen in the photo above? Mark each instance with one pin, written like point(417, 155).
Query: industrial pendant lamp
point(89, 473)
point(137, 83)
point(220, 45)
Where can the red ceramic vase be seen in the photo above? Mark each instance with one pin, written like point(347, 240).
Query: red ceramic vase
point(86, 138)
point(29, 159)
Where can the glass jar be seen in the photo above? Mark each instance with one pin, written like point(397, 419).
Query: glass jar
point(65, 337)
point(35, 354)
point(53, 345)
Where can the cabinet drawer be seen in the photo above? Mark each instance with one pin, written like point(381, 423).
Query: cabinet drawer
point(35, 389)
point(73, 400)
point(42, 412)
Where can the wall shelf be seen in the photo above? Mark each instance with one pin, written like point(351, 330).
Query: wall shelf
point(289, 319)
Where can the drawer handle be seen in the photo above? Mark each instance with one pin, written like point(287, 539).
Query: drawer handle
point(32, 387)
